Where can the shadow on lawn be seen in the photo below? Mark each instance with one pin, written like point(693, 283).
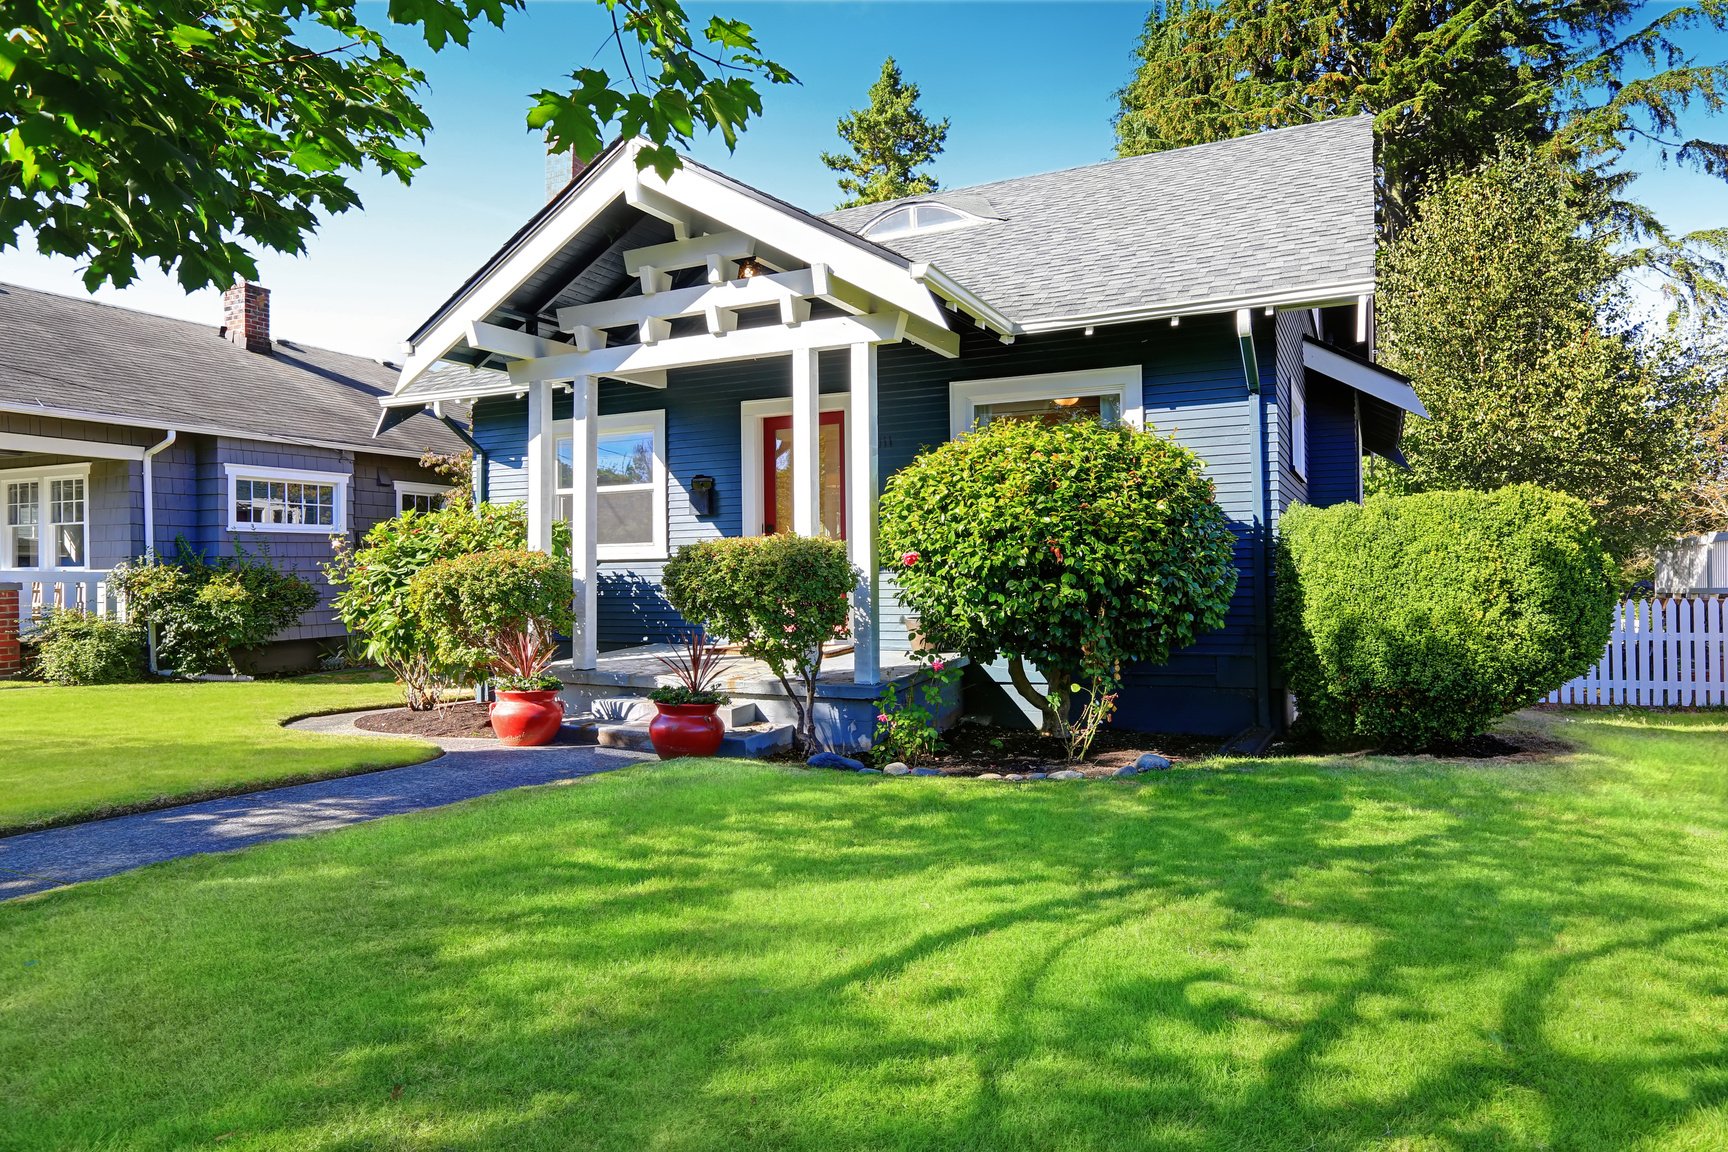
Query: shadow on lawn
point(1295, 957)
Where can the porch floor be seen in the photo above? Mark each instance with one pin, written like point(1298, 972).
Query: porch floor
point(639, 669)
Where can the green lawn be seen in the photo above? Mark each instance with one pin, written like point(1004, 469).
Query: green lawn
point(1302, 954)
point(69, 753)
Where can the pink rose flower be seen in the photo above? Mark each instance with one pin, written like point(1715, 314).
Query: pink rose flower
point(936, 665)
point(909, 559)
point(881, 717)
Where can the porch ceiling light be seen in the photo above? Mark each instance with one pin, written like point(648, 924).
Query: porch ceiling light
point(750, 266)
point(1066, 402)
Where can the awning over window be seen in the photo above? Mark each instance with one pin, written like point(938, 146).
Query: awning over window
point(1363, 375)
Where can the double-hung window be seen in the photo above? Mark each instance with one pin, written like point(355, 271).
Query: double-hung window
point(286, 500)
point(630, 482)
point(46, 521)
point(414, 497)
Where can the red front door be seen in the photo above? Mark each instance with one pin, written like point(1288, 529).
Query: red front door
point(777, 474)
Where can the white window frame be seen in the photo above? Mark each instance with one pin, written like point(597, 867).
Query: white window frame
point(416, 488)
point(1299, 429)
point(42, 477)
point(653, 421)
point(871, 231)
point(338, 499)
point(751, 413)
point(964, 396)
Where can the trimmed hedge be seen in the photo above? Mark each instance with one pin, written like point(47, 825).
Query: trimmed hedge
point(1413, 621)
point(74, 647)
point(467, 603)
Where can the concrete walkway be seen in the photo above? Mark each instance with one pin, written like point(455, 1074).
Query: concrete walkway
point(37, 861)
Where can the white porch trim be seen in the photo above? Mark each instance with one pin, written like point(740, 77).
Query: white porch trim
point(964, 396)
point(752, 500)
point(61, 446)
point(862, 481)
point(584, 517)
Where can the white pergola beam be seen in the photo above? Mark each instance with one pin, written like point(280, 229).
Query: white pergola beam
point(754, 292)
point(695, 252)
point(630, 360)
point(513, 343)
point(661, 208)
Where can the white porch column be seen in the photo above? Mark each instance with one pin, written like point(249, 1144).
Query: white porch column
point(806, 446)
point(542, 465)
point(584, 520)
point(862, 481)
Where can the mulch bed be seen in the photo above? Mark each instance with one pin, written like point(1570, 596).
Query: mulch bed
point(1515, 745)
point(972, 750)
point(466, 719)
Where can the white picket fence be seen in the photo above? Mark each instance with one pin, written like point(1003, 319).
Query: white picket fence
point(1666, 653)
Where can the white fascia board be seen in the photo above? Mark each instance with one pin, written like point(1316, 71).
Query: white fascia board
point(632, 310)
point(1366, 378)
point(693, 351)
point(61, 446)
point(973, 305)
point(1319, 296)
point(599, 189)
point(196, 429)
point(876, 275)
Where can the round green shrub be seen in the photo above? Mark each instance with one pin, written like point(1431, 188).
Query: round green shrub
point(779, 598)
point(469, 603)
point(1409, 622)
point(207, 611)
point(1075, 546)
point(74, 647)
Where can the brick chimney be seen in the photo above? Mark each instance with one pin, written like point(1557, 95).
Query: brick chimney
point(560, 170)
point(246, 316)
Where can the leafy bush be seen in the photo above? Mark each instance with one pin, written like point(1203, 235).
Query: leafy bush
point(469, 606)
point(1411, 621)
point(906, 729)
point(779, 598)
point(74, 647)
point(374, 580)
point(205, 611)
point(1076, 547)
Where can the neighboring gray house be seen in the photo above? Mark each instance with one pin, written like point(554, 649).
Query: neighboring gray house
point(121, 431)
point(661, 361)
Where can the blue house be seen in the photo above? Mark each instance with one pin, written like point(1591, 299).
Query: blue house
point(664, 360)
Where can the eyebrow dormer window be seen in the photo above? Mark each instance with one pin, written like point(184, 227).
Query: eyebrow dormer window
point(910, 218)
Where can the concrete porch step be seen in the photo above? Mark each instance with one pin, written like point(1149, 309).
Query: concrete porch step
point(749, 743)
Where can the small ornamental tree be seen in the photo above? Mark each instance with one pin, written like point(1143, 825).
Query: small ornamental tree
point(1414, 621)
point(375, 578)
point(476, 606)
point(779, 598)
point(1073, 547)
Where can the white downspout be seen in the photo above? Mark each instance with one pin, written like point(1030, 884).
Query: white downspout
point(150, 520)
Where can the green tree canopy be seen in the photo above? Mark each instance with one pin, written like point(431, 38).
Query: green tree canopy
point(890, 140)
point(1446, 81)
point(194, 132)
point(1504, 304)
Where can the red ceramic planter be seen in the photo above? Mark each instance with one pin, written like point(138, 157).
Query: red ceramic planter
point(686, 730)
point(526, 719)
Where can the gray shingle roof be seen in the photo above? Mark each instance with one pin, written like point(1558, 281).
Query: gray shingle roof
point(63, 353)
point(1276, 213)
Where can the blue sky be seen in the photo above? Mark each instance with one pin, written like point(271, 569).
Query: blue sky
point(1029, 87)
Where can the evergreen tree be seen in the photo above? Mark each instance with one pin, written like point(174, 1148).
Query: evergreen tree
point(890, 140)
point(1446, 82)
point(1503, 302)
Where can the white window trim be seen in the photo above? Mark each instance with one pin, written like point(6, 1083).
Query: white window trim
point(751, 413)
point(964, 396)
point(416, 488)
point(1299, 429)
point(339, 499)
point(967, 220)
point(653, 421)
point(42, 475)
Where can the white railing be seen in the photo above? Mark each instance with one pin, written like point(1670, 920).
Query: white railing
point(1666, 653)
point(43, 589)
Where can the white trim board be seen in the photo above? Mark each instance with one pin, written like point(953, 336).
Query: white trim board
point(62, 446)
point(1376, 382)
point(964, 396)
point(751, 413)
point(43, 476)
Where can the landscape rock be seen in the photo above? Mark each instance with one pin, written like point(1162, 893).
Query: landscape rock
point(1037, 775)
point(834, 760)
point(897, 769)
point(869, 771)
point(1126, 770)
point(1068, 774)
point(926, 772)
point(1015, 776)
point(1151, 762)
point(989, 775)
